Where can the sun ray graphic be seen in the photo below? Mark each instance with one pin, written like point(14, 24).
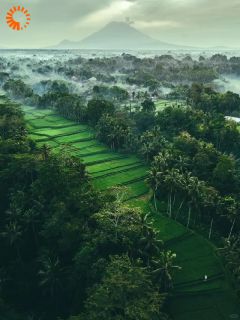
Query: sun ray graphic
point(16, 25)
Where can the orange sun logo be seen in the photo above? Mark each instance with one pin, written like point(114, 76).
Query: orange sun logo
point(25, 17)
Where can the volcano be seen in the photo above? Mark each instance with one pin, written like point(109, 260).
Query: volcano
point(117, 36)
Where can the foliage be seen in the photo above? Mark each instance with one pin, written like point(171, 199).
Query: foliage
point(124, 292)
point(58, 235)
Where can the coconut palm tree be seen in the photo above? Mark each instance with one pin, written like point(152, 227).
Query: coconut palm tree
point(150, 245)
point(173, 183)
point(45, 151)
point(154, 180)
point(163, 266)
point(145, 223)
point(193, 194)
point(230, 209)
point(157, 173)
point(13, 234)
point(51, 275)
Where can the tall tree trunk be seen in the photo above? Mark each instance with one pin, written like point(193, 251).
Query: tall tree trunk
point(155, 200)
point(196, 215)
point(174, 199)
point(231, 230)
point(179, 209)
point(210, 230)
point(189, 216)
point(170, 205)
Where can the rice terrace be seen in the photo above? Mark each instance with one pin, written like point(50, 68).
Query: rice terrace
point(192, 297)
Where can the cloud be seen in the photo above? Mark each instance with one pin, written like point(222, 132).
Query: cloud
point(157, 24)
point(113, 10)
point(196, 22)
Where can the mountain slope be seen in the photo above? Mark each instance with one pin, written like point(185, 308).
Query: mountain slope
point(116, 35)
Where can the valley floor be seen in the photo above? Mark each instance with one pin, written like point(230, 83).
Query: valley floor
point(192, 298)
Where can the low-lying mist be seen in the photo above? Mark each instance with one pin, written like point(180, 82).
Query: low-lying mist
point(228, 83)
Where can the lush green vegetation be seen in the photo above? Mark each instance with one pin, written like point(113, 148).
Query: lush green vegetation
point(195, 255)
point(65, 247)
point(175, 158)
point(207, 99)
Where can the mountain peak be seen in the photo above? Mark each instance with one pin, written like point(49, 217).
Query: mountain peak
point(117, 35)
point(125, 30)
point(119, 24)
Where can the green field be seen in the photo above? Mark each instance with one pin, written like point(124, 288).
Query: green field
point(162, 104)
point(192, 298)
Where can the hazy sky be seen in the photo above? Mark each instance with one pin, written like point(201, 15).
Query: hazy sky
point(187, 22)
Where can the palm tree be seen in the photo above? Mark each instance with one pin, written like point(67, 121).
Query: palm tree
point(210, 203)
point(154, 180)
point(232, 211)
point(163, 268)
point(31, 219)
point(13, 234)
point(51, 275)
point(181, 190)
point(146, 225)
point(150, 245)
point(192, 190)
point(45, 151)
point(157, 173)
point(173, 183)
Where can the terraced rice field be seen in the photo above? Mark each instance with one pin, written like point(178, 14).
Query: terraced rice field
point(107, 168)
point(162, 104)
point(192, 297)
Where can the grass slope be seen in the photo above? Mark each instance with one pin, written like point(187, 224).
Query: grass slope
point(192, 298)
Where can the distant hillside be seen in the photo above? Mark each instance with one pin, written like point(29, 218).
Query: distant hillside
point(116, 35)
